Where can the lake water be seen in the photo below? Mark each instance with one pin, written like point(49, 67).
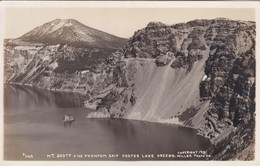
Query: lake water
point(33, 130)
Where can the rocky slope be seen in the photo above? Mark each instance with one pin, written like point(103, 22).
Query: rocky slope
point(59, 67)
point(199, 74)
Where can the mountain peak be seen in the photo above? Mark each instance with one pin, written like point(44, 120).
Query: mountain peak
point(155, 23)
point(71, 31)
point(65, 21)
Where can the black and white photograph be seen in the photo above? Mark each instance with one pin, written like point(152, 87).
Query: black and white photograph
point(130, 83)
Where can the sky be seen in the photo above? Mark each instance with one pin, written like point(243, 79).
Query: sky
point(122, 22)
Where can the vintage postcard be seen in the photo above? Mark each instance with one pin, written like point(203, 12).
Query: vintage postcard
point(129, 81)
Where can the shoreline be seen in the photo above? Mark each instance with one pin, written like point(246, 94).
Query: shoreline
point(91, 110)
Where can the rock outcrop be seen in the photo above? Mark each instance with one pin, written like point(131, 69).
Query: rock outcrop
point(230, 78)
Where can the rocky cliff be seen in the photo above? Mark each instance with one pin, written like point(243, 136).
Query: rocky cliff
point(207, 79)
point(186, 70)
point(199, 74)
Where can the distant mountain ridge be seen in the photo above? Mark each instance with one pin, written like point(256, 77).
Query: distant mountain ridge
point(73, 32)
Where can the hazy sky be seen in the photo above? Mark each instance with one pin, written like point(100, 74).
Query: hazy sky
point(121, 22)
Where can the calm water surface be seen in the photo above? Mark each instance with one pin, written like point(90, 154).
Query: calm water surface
point(33, 127)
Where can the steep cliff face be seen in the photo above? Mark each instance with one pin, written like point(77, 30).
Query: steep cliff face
point(170, 65)
point(16, 58)
point(230, 79)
